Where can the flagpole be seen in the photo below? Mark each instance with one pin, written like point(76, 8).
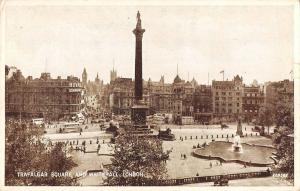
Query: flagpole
point(223, 74)
point(208, 79)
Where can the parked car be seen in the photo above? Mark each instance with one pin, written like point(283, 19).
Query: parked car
point(223, 181)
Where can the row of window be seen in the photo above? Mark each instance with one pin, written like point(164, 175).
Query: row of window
point(75, 84)
point(228, 93)
point(252, 102)
point(250, 111)
point(203, 110)
point(223, 87)
point(224, 98)
point(32, 108)
point(223, 110)
point(229, 104)
point(251, 95)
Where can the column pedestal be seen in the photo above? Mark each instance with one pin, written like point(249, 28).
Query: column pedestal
point(138, 117)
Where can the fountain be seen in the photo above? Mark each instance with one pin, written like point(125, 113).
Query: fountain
point(237, 146)
point(235, 151)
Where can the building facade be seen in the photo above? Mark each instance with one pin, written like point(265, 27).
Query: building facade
point(92, 103)
point(160, 96)
point(182, 99)
point(227, 99)
point(121, 96)
point(281, 91)
point(223, 101)
point(43, 97)
point(177, 99)
point(202, 101)
point(253, 100)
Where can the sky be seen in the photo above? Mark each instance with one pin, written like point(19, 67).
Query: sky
point(253, 41)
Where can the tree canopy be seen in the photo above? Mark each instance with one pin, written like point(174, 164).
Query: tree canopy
point(26, 152)
point(283, 138)
point(137, 154)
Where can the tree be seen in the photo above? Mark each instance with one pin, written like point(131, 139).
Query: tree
point(285, 115)
point(266, 117)
point(137, 154)
point(283, 138)
point(285, 152)
point(26, 152)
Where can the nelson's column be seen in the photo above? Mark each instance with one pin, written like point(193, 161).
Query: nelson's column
point(139, 109)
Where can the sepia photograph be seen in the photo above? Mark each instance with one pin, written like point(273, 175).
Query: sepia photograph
point(138, 94)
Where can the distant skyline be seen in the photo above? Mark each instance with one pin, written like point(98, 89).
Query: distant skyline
point(255, 42)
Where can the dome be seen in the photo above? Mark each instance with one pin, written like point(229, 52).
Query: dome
point(188, 83)
point(177, 79)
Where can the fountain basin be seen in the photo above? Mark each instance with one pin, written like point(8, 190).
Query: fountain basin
point(252, 155)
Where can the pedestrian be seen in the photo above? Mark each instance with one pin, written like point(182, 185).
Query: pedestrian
point(210, 165)
point(217, 164)
point(245, 165)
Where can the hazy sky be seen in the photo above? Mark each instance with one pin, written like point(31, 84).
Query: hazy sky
point(254, 41)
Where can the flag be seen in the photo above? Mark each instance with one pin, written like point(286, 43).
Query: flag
point(222, 72)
